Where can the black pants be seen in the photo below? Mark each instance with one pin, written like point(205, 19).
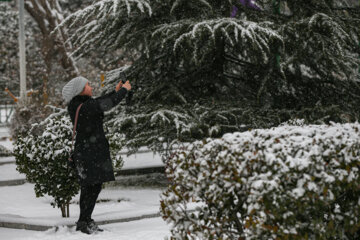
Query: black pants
point(88, 196)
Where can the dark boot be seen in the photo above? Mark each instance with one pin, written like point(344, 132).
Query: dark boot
point(84, 227)
point(93, 226)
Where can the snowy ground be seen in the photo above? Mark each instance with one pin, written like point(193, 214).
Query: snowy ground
point(5, 138)
point(8, 143)
point(142, 159)
point(19, 204)
point(146, 229)
point(4, 113)
point(6, 159)
point(8, 172)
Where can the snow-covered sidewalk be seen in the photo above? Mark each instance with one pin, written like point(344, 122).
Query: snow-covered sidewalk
point(7, 143)
point(144, 158)
point(7, 160)
point(18, 204)
point(147, 229)
point(8, 171)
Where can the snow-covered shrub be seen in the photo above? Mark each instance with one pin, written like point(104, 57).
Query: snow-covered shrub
point(43, 158)
point(4, 152)
point(42, 152)
point(289, 182)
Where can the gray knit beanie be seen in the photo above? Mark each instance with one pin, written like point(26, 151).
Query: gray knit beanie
point(73, 88)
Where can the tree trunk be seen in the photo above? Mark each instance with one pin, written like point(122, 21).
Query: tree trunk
point(45, 91)
point(68, 209)
point(65, 209)
point(63, 213)
point(53, 46)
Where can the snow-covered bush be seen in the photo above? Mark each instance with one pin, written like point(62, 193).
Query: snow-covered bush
point(289, 182)
point(42, 152)
point(4, 152)
point(43, 158)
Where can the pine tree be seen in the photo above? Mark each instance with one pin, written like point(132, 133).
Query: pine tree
point(200, 72)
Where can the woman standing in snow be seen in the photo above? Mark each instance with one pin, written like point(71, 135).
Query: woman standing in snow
point(91, 153)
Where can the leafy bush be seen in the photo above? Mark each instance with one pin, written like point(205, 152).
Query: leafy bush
point(289, 182)
point(41, 154)
point(43, 158)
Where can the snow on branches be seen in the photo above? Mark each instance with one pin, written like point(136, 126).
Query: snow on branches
point(100, 10)
point(200, 37)
point(103, 17)
point(162, 125)
point(177, 3)
point(327, 41)
point(286, 182)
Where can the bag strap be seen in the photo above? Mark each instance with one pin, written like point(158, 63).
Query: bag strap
point(76, 120)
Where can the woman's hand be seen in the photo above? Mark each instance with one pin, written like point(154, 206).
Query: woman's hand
point(126, 85)
point(119, 86)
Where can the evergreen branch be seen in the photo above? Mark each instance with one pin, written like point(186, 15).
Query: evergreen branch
point(354, 9)
point(177, 3)
point(248, 33)
point(231, 58)
point(95, 19)
point(233, 76)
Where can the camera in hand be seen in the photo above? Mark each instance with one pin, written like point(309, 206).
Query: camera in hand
point(122, 77)
point(129, 95)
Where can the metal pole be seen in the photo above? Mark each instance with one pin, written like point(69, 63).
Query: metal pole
point(22, 53)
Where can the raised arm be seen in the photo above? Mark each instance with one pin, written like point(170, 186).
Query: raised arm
point(113, 98)
point(106, 95)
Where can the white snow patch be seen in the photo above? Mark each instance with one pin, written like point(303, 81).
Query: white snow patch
point(8, 172)
point(149, 229)
point(19, 204)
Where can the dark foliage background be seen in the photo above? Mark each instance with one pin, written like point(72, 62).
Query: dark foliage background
point(197, 72)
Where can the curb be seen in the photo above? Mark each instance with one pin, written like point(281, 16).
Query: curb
point(130, 219)
point(137, 171)
point(12, 182)
point(8, 162)
point(24, 226)
point(34, 227)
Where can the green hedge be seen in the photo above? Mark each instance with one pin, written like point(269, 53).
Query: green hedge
point(289, 182)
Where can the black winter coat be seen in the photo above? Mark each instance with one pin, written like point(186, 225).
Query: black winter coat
point(91, 153)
